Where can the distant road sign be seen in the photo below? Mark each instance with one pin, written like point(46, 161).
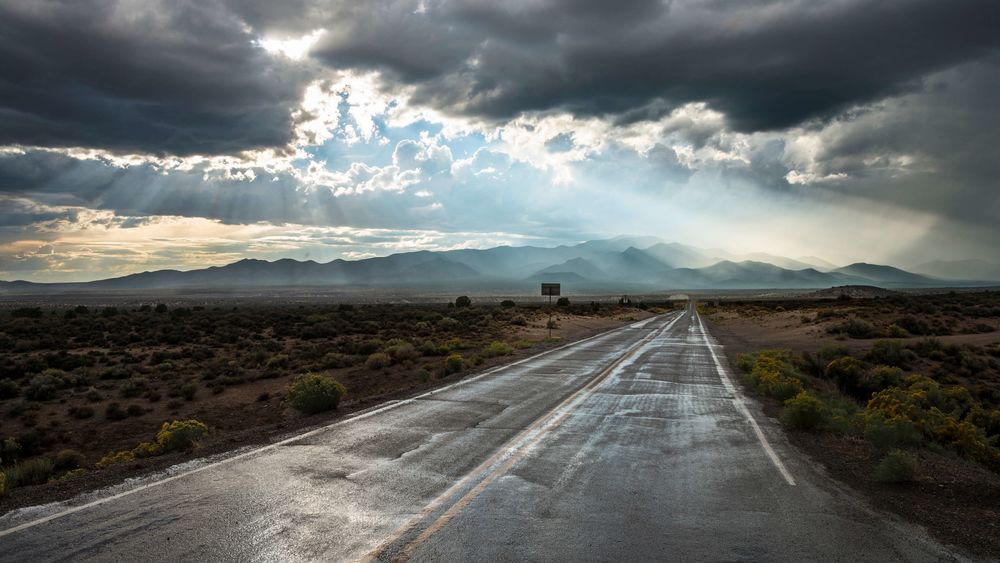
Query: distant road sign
point(550, 288)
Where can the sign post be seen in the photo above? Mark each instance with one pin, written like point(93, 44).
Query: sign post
point(550, 289)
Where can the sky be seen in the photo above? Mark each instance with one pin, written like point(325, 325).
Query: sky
point(143, 134)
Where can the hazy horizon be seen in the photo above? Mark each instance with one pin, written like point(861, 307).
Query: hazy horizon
point(139, 136)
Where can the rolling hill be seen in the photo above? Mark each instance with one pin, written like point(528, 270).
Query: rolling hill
point(618, 264)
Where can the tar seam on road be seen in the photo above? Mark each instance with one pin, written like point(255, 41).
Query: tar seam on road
point(513, 451)
point(353, 418)
point(738, 400)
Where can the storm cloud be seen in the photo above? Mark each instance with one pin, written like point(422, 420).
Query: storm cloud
point(857, 124)
point(139, 77)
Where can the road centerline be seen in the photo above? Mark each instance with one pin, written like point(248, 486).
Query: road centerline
point(497, 465)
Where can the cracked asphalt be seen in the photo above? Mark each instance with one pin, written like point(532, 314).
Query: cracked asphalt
point(631, 445)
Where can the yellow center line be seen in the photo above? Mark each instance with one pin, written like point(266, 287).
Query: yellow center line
point(517, 448)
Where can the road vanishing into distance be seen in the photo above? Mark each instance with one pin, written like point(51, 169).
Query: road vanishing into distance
point(632, 445)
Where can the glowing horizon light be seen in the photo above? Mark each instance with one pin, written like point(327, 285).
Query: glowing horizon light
point(295, 49)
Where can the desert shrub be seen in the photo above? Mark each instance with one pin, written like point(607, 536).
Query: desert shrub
point(854, 328)
point(189, 390)
point(3, 483)
point(519, 320)
point(913, 325)
point(771, 372)
point(447, 323)
point(497, 348)
point(81, 412)
point(67, 460)
point(551, 324)
point(453, 363)
point(180, 435)
point(463, 301)
point(431, 348)
point(27, 313)
point(424, 375)
point(378, 360)
point(896, 467)
point(896, 331)
point(35, 471)
point(562, 302)
point(9, 389)
point(312, 393)
point(114, 411)
point(507, 304)
point(880, 378)
point(134, 387)
point(803, 411)
point(94, 396)
point(886, 433)
point(135, 410)
point(337, 360)
point(277, 362)
point(890, 353)
point(937, 414)
point(112, 458)
point(43, 386)
point(846, 372)
point(403, 352)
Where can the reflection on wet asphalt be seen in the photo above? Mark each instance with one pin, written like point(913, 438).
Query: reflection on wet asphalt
point(626, 446)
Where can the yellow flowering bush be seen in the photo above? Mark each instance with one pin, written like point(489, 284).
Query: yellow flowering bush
point(771, 372)
point(174, 435)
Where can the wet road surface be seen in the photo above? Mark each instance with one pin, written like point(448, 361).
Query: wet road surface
point(631, 445)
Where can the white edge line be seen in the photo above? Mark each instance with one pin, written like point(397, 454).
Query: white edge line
point(738, 400)
point(352, 418)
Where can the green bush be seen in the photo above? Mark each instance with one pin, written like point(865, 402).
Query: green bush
point(453, 363)
point(378, 360)
point(277, 362)
point(846, 372)
point(180, 435)
point(890, 353)
point(67, 460)
point(337, 360)
point(803, 411)
point(44, 386)
point(463, 301)
point(880, 377)
point(507, 304)
point(9, 389)
point(896, 467)
point(855, 328)
point(35, 471)
point(497, 348)
point(562, 302)
point(402, 352)
point(312, 393)
point(887, 433)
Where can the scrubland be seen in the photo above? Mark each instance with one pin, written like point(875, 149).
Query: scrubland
point(898, 396)
point(90, 395)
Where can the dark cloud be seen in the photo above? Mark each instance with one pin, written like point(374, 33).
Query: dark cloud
point(766, 65)
point(149, 77)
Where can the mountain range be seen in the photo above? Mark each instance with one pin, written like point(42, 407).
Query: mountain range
point(618, 264)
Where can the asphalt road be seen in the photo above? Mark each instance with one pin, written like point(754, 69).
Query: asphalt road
point(632, 445)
